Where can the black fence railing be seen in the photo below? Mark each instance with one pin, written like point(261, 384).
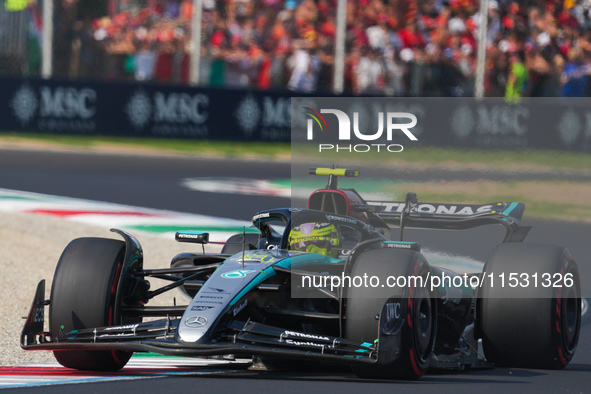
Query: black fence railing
point(14, 42)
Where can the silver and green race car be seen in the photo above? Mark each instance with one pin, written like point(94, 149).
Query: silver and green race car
point(335, 283)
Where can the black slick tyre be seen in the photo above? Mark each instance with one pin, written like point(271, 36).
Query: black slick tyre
point(533, 326)
point(83, 296)
point(417, 317)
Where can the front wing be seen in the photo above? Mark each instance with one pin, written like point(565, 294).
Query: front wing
point(238, 337)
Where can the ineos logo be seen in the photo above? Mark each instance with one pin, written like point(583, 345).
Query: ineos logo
point(196, 321)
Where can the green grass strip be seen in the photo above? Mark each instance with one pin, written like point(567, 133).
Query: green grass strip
point(173, 228)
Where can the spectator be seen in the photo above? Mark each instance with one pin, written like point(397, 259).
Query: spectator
point(370, 73)
point(518, 77)
point(238, 65)
point(574, 76)
point(394, 72)
point(144, 61)
point(164, 61)
point(394, 47)
point(302, 66)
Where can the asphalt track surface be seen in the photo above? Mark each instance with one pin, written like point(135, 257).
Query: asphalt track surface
point(154, 182)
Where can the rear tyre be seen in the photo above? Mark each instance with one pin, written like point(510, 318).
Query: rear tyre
point(83, 296)
point(534, 326)
point(418, 312)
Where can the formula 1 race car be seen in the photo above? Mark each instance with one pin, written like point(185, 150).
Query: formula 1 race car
point(327, 284)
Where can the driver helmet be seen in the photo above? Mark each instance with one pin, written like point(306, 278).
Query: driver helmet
point(315, 237)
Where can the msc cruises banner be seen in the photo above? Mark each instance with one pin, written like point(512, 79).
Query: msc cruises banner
point(143, 110)
point(126, 109)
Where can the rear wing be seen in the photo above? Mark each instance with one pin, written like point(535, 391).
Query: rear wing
point(411, 213)
point(452, 216)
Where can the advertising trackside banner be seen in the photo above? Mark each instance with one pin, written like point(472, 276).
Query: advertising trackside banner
point(381, 124)
point(143, 110)
point(125, 109)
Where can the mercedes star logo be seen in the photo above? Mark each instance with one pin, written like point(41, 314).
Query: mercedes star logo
point(196, 321)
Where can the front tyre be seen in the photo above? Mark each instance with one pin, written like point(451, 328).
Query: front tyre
point(83, 296)
point(418, 312)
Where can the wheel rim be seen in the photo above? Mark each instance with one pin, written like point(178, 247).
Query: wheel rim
point(570, 319)
point(571, 314)
point(423, 325)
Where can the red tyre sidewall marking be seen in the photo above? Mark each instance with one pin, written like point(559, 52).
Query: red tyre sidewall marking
point(112, 305)
point(558, 318)
point(412, 355)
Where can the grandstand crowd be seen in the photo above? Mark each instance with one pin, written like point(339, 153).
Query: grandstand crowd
point(393, 47)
